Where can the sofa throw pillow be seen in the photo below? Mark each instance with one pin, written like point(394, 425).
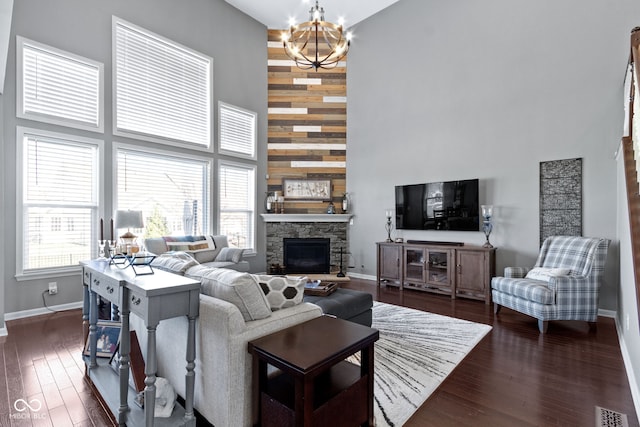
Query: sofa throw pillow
point(282, 291)
point(202, 248)
point(240, 289)
point(174, 262)
point(230, 255)
point(545, 274)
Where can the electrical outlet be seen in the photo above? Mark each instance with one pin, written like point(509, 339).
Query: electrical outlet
point(53, 288)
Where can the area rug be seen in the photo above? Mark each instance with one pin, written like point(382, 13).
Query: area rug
point(415, 353)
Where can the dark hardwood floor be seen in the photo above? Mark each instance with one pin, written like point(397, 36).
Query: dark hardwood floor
point(513, 377)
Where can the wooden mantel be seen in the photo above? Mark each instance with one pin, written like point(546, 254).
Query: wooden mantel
point(306, 217)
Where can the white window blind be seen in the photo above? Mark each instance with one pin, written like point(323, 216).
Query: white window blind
point(237, 131)
point(58, 185)
point(237, 203)
point(171, 191)
point(161, 90)
point(59, 87)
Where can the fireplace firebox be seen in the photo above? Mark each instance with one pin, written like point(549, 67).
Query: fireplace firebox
point(307, 255)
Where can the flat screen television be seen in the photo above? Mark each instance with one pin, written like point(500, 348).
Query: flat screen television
point(451, 205)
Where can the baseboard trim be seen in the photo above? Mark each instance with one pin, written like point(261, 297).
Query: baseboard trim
point(607, 313)
point(40, 311)
point(633, 385)
point(362, 276)
point(3, 332)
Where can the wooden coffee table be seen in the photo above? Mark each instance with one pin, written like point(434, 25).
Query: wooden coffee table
point(314, 384)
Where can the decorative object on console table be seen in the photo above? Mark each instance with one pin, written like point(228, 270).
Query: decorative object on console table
point(128, 219)
point(108, 340)
point(388, 213)
point(101, 248)
point(141, 261)
point(487, 226)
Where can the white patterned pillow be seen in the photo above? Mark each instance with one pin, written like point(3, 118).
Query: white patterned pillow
point(174, 262)
point(545, 274)
point(282, 291)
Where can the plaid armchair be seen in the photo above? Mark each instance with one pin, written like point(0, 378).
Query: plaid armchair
point(563, 285)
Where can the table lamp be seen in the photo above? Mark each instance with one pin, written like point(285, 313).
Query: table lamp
point(128, 219)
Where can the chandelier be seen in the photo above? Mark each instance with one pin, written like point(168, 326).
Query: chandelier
point(316, 43)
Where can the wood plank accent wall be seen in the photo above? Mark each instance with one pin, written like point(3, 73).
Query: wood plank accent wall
point(307, 135)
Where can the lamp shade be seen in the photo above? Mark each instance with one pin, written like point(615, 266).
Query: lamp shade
point(129, 219)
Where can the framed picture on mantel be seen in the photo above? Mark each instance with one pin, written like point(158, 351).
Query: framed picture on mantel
point(306, 189)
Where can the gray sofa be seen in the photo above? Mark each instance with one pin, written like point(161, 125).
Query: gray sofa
point(214, 255)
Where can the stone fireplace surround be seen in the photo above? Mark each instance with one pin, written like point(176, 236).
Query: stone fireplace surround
point(334, 227)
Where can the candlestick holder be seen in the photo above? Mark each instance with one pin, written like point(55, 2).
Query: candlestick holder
point(487, 227)
point(112, 248)
point(101, 248)
point(389, 213)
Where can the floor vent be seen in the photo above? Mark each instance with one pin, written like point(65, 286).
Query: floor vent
point(608, 418)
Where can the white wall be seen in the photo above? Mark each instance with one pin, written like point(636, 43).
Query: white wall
point(627, 318)
point(446, 90)
point(235, 41)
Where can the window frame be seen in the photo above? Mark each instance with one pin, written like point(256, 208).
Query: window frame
point(164, 153)
point(45, 118)
point(252, 250)
point(114, 80)
point(238, 154)
point(31, 274)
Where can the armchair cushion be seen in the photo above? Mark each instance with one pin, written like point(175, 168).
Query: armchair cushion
point(527, 289)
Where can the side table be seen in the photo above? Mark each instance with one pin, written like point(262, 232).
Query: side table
point(315, 385)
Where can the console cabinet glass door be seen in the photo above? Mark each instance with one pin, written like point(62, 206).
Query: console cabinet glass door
point(437, 267)
point(414, 259)
point(428, 268)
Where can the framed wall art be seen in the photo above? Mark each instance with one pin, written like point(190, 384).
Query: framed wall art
point(306, 189)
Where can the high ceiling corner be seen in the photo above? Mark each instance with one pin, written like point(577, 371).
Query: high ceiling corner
point(275, 14)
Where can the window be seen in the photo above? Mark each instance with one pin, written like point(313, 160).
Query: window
point(237, 131)
point(171, 190)
point(162, 91)
point(237, 195)
point(58, 184)
point(59, 87)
